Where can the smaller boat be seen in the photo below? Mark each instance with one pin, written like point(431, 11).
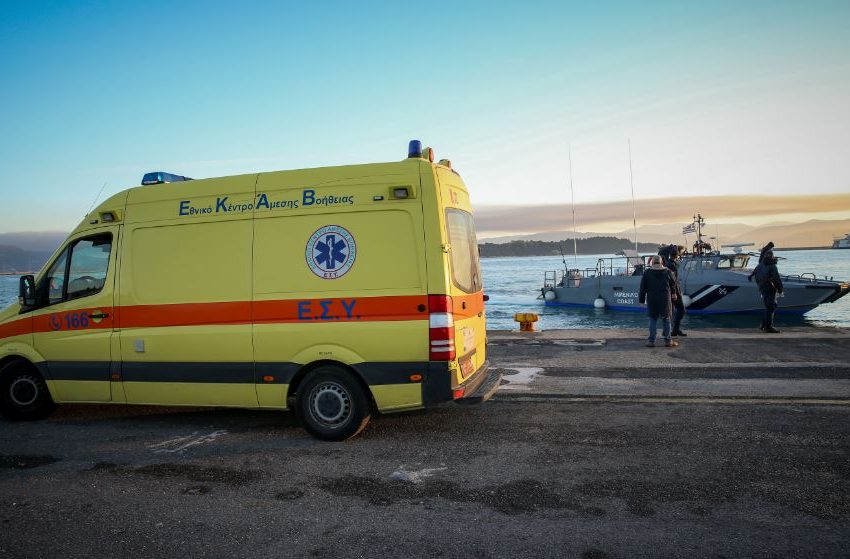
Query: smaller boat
point(712, 283)
point(842, 242)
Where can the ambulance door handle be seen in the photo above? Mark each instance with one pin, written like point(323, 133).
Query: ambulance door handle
point(99, 316)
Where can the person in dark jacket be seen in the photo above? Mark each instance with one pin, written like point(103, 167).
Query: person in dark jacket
point(765, 249)
point(657, 290)
point(670, 255)
point(770, 286)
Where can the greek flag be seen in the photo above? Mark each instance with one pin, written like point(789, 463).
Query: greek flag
point(689, 229)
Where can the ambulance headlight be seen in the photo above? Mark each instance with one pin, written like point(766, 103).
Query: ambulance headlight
point(401, 193)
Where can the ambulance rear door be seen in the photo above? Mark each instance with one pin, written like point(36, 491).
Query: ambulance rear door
point(466, 283)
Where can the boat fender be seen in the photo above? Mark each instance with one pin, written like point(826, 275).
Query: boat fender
point(599, 303)
point(686, 300)
point(550, 295)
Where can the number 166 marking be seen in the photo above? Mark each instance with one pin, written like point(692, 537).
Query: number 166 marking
point(69, 321)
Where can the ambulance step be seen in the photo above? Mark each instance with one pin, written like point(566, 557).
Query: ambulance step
point(485, 390)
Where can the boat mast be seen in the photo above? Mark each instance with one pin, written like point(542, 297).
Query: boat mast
point(632, 183)
point(573, 202)
point(699, 221)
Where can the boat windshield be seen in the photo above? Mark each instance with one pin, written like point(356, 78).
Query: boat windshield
point(738, 261)
point(700, 264)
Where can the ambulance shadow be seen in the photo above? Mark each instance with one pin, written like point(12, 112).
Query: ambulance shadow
point(159, 416)
point(442, 421)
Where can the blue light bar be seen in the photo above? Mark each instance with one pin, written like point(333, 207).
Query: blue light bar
point(158, 177)
point(414, 148)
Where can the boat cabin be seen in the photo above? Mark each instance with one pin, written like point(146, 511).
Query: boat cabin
point(634, 265)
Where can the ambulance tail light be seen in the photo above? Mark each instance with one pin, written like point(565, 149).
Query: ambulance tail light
point(441, 328)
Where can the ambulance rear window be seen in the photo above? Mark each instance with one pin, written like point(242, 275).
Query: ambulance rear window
point(466, 270)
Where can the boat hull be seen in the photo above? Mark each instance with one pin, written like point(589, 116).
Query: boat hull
point(796, 311)
point(706, 294)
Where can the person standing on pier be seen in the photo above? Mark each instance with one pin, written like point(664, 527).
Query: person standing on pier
point(670, 256)
point(657, 292)
point(770, 286)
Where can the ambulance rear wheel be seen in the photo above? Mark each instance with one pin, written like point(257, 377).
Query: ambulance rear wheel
point(23, 393)
point(331, 405)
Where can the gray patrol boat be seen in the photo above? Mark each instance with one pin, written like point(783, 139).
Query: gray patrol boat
point(712, 283)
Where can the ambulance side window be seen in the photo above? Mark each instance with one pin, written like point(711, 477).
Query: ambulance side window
point(82, 275)
point(89, 264)
point(55, 279)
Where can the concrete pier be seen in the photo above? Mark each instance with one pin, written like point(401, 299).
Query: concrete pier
point(800, 364)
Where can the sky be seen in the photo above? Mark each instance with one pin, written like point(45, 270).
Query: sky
point(712, 99)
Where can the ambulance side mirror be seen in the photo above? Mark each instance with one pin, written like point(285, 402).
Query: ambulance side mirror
point(26, 292)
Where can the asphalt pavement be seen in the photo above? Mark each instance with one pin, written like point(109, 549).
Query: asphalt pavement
point(731, 445)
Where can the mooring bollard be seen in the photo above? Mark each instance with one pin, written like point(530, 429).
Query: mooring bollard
point(526, 321)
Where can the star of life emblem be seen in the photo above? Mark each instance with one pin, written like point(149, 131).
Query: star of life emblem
point(331, 252)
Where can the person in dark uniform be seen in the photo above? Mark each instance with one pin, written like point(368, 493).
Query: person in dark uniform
point(770, 286)
point(765, 249)
point(670, 255)
point(657, 291)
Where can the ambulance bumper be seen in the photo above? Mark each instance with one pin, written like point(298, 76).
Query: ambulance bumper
point(481, 386)
point(478, 388)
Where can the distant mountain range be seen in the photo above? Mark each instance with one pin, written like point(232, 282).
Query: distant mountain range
point(27, 252)
point(812, 233)
point(14, 259)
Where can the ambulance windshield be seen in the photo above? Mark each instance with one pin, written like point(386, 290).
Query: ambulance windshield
point(466, 270)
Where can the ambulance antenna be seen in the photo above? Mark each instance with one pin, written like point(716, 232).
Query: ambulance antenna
point(99, 192)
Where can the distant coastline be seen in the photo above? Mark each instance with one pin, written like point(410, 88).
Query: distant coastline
point(608, 245)
point(590, 245)
point(801, 248)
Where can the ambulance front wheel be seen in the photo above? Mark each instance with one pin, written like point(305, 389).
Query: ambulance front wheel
point(23, 393)
point(331, 405)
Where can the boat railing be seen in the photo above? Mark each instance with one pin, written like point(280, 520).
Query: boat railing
point(808, 276)
point(621, 266)
point(572, 277)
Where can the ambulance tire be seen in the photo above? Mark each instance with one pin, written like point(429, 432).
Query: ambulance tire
point(332, 405)
point(23, 393)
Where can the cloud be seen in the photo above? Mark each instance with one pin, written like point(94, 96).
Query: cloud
point(613, 216)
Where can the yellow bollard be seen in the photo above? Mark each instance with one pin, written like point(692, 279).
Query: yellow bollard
point(526, 321)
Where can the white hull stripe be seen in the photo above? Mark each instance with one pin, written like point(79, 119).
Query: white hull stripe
point(703, 292)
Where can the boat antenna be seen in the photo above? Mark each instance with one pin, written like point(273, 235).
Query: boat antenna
point(573, 203)
point(632, 183)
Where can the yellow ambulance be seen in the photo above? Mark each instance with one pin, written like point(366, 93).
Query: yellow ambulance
point(337, 292)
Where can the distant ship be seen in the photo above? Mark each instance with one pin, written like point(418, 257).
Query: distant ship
point(712, 283)
point(842, 242)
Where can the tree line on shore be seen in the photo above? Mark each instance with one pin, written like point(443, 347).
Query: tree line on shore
point(591, 245)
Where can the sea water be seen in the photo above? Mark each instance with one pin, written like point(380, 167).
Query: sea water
point(513, 285)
